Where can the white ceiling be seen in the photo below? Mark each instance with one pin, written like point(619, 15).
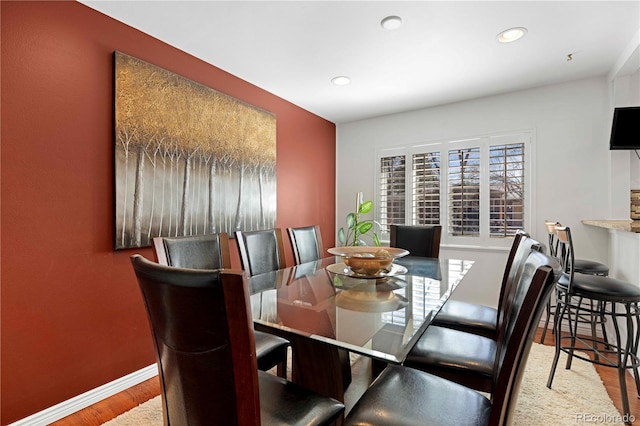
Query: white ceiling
point(445, 51)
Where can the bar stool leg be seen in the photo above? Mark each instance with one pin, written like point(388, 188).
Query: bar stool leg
point(634, 348)
point(602, 307)
point(573, 330)
point(622, 356)
point(561, 309)
point(546, 320)
point(594, 316)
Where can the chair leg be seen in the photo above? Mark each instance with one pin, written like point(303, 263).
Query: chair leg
point(561, 308)
point(595, 315)
point(603, 319)
point(573, 330)
point(546, 320)
point(622, 358)
point(634, 348)
point(281, 368)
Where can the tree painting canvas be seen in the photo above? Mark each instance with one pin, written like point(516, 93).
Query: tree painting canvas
point(189, 160)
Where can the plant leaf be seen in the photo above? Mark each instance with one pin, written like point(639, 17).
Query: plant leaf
point(366, 207)
point(376, 240)
point(351, 220)
point(365, 227)
point(341, 236)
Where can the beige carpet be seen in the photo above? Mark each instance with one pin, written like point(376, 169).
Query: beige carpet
point(578, 397)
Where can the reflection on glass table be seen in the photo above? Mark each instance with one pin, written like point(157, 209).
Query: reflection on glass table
point(378, 317)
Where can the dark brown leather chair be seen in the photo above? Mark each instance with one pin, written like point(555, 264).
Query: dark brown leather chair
point(203, 334)
point(466, 358)
point(211, 251)
point(480, 319)
point(261, 251)
point(306, 243)
point(405, 396)
point(420, 240)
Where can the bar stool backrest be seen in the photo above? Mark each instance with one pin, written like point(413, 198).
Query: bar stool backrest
point(553, 238)
point(565, 252)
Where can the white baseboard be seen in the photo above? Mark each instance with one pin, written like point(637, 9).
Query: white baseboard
point(88, 398)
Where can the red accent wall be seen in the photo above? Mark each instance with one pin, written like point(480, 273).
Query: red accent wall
point(72, 317)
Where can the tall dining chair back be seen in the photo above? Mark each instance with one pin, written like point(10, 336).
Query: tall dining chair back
point(420, 240)
point(406, 396)
point(261, 251)
point(212, 252)
point(209, 251)
point(203, 335)
point(306, 243)
point(469, 358)
point(480, 319)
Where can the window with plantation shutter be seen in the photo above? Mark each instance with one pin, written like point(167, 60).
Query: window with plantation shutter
point(476, 188)
point(425, 197)
point(391, 192)
point(463, 193)
point(506, 186)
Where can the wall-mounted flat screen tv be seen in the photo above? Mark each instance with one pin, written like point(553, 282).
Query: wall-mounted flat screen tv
point(625, 130)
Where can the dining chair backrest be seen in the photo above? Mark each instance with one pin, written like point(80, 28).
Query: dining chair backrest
point(517, 239)
point(420, 240)
point(205, 348)
point(306, 243)
point(261, 251)
point(209, 251)
point(525, 246)
point(534, 286)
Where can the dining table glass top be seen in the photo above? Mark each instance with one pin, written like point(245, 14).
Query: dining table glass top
point(379, 317)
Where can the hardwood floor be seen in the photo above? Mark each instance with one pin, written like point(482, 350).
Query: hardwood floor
point(105, 410)
point(609, 377)
point(112, 407)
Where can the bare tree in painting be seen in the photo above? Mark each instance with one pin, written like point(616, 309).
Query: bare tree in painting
point(154, 164)
point(129, 135)
point(195, 150)
point(138, 196)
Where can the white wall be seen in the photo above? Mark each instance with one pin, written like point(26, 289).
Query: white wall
point(571, 161)
point(625, 165)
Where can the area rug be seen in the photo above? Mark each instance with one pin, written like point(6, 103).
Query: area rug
point(578, 397)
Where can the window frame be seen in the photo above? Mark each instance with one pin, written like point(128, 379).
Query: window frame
point(484, 240)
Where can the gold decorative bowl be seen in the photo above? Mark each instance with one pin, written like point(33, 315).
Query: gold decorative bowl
point(368, 261)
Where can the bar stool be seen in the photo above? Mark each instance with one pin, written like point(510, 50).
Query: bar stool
point(582, 266)
point(614, 299)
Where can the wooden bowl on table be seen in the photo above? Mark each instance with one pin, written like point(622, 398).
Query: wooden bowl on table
point(368, 261)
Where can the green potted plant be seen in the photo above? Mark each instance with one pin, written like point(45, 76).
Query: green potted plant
point(358, 227)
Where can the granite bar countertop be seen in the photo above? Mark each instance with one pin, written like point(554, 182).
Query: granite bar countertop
point(621, 225)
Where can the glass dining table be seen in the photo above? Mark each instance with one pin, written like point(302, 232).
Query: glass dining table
point(326, 311)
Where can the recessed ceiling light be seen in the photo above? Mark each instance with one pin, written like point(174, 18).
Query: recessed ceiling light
point(391, 22)
point(341, 80)
point(512, 34)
